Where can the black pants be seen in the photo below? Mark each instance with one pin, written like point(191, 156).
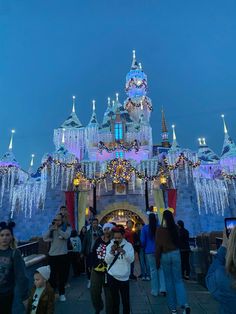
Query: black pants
point(89, 264)
point(185, 263)
point(6, 302)
point(119, 288)
point(59, 266)
point(74, 258)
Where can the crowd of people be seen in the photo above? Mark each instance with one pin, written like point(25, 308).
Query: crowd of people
point(107, 255)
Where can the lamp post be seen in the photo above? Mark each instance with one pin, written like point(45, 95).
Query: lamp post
point(76, 183)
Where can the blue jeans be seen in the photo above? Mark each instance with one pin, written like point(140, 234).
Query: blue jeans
point(145, 269)
point(157, 276)
point(176, 294)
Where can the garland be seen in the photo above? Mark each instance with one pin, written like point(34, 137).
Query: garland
point(181, 159)
point(117, 145)
point(145, 102)
point(228, 175)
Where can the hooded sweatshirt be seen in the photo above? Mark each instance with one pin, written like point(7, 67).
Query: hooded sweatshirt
point(121, 268)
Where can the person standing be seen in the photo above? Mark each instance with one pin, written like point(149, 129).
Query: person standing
point(129, 236)
point(168, 255)
point(184, 249)
point(148, 232)
point(144, 267)
point(99, 272)
point(82, 259)
point(58, 235)
point(74, 249)
point(119, 256)
point(12, 270)
point(94, 232)
point(42, 297)
point(221, 276)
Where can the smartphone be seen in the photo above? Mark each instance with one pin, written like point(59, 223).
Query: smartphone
point(230, 223)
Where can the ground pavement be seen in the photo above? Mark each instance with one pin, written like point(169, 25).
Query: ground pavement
point(78, 299)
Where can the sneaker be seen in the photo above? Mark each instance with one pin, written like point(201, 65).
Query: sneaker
point(174, 311)
point(89, 284)
point(143, 278)
point(62, 298)
point(148, 278)
point(162, 294)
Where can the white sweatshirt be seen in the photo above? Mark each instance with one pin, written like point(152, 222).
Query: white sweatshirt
point(121, 268)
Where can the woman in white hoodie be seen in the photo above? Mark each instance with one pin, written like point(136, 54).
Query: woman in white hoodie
point(119, 256)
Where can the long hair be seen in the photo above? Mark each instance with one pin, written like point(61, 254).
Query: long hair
point(230, 263)
point(171, 226)
point(152, 225)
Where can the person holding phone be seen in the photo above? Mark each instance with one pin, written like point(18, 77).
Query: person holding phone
point(221, 276)
point(119, 256)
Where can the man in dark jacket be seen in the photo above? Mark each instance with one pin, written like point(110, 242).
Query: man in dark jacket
point(184, 249)
point(94, 232)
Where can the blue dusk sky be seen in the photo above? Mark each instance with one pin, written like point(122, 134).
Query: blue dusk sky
point(53, 49)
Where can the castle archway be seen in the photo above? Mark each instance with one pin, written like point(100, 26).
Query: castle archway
point(120, 212)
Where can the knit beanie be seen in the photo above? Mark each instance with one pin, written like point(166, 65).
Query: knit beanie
point(107, 225)
point(44, 271)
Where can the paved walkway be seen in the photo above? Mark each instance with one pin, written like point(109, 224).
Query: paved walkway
point(78, 299)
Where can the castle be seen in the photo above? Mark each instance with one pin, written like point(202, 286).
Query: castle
point(113, 169)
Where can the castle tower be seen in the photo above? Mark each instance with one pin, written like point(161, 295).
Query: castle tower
point(92, 137)
point(73, 133)
point(136, 90)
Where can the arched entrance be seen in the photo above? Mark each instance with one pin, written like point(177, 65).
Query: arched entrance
point(120, 212)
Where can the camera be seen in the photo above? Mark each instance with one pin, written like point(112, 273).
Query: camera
point(230, 223)
point(116, 243)
point(53, 222)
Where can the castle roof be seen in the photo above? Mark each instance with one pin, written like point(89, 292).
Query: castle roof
point(72, 121)
point(205, 153)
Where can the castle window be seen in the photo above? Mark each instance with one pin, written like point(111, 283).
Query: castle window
point(119, 154)
point(118, 131)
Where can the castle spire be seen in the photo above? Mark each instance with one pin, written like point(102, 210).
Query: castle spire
point(175, 144)
point(108, 102)
point(32, 160)
point(163, 122)
point(63, 136)
point(200, 141)
point(117, 97)
point(11, 140)
point(73, 104)
point(93, 121)
point(134, 62)
point(164, 131)
point(174, 135)
point(224, 124)
point(229, 147)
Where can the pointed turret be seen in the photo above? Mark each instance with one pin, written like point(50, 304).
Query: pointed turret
point(228, 155)
point(72, 121)
point(30, 171)
point(8, 159)
point(134, 64)
point(108, 114)
point(93, 121)
point(164, 131)
point(229, 148)
point(205, 153)
point(174, 144)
